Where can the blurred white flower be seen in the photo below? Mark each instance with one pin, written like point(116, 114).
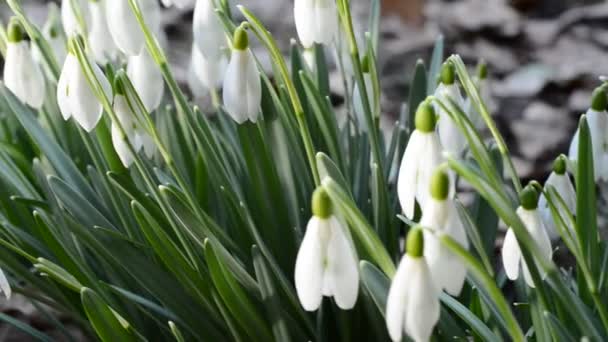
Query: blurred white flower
point(560, 180)
point(124, 27)
point(51, 31)
point(205, 73)
point(5, 287)
point(412, 305)
point(441, 216)
point(21, 74)
point(101, 42)
point(327, 263)
point(597, 119)
point(511, 252)
point(452, 140)
point(242, 85)
point(71, 26)
point(178, 3)
point(421, 157)
point(208, 31)
point(146, 79)
point(316, 21)
point(75, 96)
point(128, 124)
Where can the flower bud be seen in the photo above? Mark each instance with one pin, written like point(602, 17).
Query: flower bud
point(415, 242)
point(482, 70)
point(425, 118)
point(559, 165)
point(448, 73)
point(440, 185)
point(321, 203)
point(529, 198)
point(598, 100)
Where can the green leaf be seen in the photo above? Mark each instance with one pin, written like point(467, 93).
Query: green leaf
point(417, 94)
point(376, 283)
point(473, 321)
point(435, 66)
point(104, 320)
point(38, 335)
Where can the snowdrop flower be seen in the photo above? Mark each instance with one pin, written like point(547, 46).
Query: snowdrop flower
point(21, 74)
point(560, 180)
point(51, 31)
point(511, 252)
point(181, 4)
point(71, 26)
point(597, 119)
point(208, 30)
point(327, 263)
point(125, 29)
point(101, 43)
point(357, 96)
point(242, 86)
point(205, 73)
point(146, 79)
point(422, 156)
point(126, 117)
point(412, 305)
point(452, 140)
point(441, 216)
point(75, 96)
point(316, 21)
point(485, 93)
point(5, 287)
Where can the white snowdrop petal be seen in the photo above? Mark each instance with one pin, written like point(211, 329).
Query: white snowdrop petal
point(326, 18)
point(408, 173)
point(398, 297)
point(309, 267)
point(102, 45)
point(450, 136)
point(254, 90)
point(342, 267)
point(423, 306)
point(123, 25)
point(304, 16)
point(209, 36)
point(511, 255)
point(68, 18)
point(121, 147)
point(147, 143)
point(22, 76)
point(70, 68)
point(209, 73)
point(5, 287)
point(430, 158)
point(146, 79)
point(242, 88)
point(86, 108)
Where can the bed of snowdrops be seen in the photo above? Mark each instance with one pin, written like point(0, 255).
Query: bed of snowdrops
point(267, 217)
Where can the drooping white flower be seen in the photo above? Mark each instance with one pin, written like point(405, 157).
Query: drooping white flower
point(357, 96)
point(101, 42)
point(147, 79)
point(597, 119)
point(208, 31)
point(51, 31)
point(412, 305)
point(560, 180)
point(125, 29)
point(511, 252)
point(441, 216)
point(242, 85)
point(205, 73)
point(71, 26)
point(316, 21)
point(21, 74)
point(75, 96)
point(5, 287)
point(421, 157)
point(327, 263)
point(127, 122)
point(178, 3)
point(452, 140)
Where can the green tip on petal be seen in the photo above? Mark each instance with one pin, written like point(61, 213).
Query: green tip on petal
point(482, 70)
point(529, 197)
point(241, 39)
point(425, 117)
point(365, 64)
point(440, 185)
point(415, 242)
point(54, 32)
point(14, 33)
point(321, 203)
point(559, 165)
point(598, 100)
point(448, 73)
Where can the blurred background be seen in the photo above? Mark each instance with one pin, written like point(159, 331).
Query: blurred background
point(544, 59)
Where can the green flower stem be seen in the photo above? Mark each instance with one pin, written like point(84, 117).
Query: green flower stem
point(277, 57)
point(2, 40)
point(480, 106)
point(478, 271)
point(36, 37)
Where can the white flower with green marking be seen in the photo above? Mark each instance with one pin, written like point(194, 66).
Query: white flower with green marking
point(208, 31)
point(512, 258)
point(560, 180)
point(125, 28)
point(422, 156)
point(452, 139)
point(146, 79)
point(327, 263)
point(316, 21)
point(21, 74)
point(412, 305)
point(101, 42)
point(71, 26)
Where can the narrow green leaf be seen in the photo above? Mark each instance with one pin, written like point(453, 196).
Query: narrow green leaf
point(103, 319)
